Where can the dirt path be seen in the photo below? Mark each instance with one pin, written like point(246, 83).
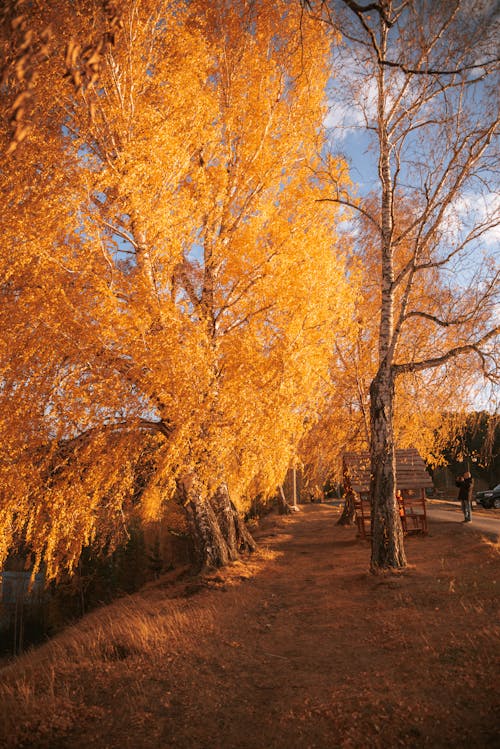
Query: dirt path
point(306, 650)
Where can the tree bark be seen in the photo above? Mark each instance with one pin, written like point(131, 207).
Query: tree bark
point(233, 528)
point(243, 536)
point(348, 513)
point(219, 533)
point(224, 514)
point(210, 548)
point(283, 507)
point(387, 535)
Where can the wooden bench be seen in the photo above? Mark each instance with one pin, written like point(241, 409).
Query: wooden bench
point(413, 515)
point(411, 477)
point(363, 516)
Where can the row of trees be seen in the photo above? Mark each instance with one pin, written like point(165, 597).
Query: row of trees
point(183, 315)
point(172, 288)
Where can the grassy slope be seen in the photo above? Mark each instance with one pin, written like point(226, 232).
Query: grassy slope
point(300, 647)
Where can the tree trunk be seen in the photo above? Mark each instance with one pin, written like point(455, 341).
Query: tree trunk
point(283, 507)
point(210, 547)
point(387, 535)
point(221, 505)
point(348, 513)
point(243, 536)
point(219, 533)
point(234, 531)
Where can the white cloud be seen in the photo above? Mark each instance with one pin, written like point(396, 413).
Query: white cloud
point(343, 117)
point(352, 94)
point(470, 212)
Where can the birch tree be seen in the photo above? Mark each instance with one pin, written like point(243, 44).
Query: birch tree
point(422, 83)
point(171, 288)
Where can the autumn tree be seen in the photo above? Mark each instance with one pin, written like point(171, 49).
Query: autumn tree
point(423, 80)
point(172, 289)
point(473, 444)
point(421, 398)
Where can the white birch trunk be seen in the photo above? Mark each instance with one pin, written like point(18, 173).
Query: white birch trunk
point(387, 537)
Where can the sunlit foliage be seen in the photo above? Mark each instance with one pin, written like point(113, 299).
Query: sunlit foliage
point(170, 284)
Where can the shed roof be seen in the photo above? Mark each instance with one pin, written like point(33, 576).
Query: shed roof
point(411, 472)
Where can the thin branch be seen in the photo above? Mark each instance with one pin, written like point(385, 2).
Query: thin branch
point(438, 361)
point(121, 233)
point(358, 10)
point(413, 266)
point(244, 320)
point(349, 204)
point(437, 72)
point(438, 321)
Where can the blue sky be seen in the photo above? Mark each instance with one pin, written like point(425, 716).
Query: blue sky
point(352, 100)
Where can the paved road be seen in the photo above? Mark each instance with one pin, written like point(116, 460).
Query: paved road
point(450, 512)
point(480, 522)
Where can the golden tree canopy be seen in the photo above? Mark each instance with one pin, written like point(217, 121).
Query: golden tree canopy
point(170, 283)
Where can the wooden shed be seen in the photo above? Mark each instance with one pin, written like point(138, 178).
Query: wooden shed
point(412, 479)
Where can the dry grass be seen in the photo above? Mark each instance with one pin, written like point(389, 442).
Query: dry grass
point(299, 647)
point(46, 689)
point(49, 682)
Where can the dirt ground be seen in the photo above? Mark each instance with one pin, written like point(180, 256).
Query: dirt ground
point(300, 649)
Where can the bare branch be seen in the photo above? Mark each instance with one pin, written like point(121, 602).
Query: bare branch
point(438, 361)
point(359, 10)
point(349, 204)
point(437, 72)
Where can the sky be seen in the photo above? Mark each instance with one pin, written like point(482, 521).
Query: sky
point(352, 104)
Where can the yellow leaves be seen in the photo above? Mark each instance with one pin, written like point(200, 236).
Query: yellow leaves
point(173, 294)
point(151, 504)
point(20, 133)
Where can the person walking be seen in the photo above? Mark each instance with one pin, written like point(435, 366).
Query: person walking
point(465, 484)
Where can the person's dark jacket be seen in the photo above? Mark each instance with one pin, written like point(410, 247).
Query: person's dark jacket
point(465, 489)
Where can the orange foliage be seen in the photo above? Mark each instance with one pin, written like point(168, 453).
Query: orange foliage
point(171, 289)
